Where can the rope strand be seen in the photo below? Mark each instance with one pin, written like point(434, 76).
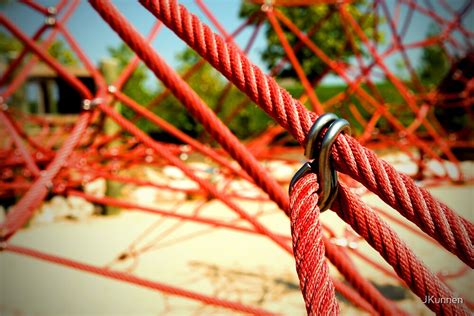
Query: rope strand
point(452, 231)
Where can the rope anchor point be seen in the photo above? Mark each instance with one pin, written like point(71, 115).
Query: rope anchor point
point(321, 164)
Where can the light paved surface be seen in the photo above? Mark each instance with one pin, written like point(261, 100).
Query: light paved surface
point(229, 264)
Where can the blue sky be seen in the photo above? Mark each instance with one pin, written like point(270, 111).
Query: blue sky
point(94, 36)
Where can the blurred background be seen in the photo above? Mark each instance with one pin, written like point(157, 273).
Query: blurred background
point(401, 72)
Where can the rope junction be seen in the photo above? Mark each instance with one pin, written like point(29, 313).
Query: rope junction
point(62, 158)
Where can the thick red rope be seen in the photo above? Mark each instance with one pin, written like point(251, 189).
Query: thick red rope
point(378, 234)
point(191, 101)
point(221, 133)
point(386, 241)
point(452, 231)
point(308, 248)
point(456, 232)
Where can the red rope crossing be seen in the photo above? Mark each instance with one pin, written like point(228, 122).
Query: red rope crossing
point(63, 156)
point(455, 233)
point(222, 134)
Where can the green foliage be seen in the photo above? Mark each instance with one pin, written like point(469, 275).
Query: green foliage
point(434, 72)
point(10, 47)
point(250, 122)
point(206, 81)
point(434, 64)
point(62, 54)
point(209, 84)
point(330, 37)
point(136, 87)
point(386, 91)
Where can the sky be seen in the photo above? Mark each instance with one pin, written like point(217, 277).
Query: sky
point(95, 36)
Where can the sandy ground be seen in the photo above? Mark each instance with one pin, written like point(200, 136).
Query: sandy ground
point(229, 264)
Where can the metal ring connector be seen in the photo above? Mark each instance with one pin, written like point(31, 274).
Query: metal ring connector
point(321, 163)
point(88, 105)
point(267, 5)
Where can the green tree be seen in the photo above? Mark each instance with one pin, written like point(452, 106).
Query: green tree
point(434, 63)
point(330, 37)
point(206, 82)
point(10, 47)
point(437, 72)
point(209, 84)
point(136, 86)
point(62, 54)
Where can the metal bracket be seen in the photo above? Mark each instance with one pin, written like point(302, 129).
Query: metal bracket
point(88, 105)
point(321, 163)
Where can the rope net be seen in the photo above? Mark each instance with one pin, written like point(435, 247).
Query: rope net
point(46, 156)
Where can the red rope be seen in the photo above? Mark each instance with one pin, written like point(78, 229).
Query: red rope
point(290, 53)
point(126, 277)
point(133, 64)
point(22, 211)
point(215, 127)
point(73, 81)
point(206, 150)
point(309, 244)
point(308, 248)
point(191, 101)
point(10, 127)
point(36, 6)
point(205, 185)
point(378, 234)
point(172, 214)
point(22, 75)
point(455, 233)
point(406, 264)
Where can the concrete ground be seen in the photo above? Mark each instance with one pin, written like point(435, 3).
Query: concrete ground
point(219, 262)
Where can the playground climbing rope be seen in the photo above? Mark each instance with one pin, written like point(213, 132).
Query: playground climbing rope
point(34, 167)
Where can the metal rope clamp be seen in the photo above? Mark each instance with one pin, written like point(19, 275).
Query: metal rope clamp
point(320, 159)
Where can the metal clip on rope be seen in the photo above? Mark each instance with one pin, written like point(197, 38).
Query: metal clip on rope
point(321, 164)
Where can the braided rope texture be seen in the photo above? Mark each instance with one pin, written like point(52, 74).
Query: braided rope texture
point(309, 244)
point(112, 16)
point(32, 199)
point(406, 264)
point(193, 103)
point(308, 248)
point(455, 233)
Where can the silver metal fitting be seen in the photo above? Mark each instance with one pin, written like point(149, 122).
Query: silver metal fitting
point(50, 20)
point(112, 89)
point(88, 105)
point(321, 163)
point(267, 5)
point(52, 10)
